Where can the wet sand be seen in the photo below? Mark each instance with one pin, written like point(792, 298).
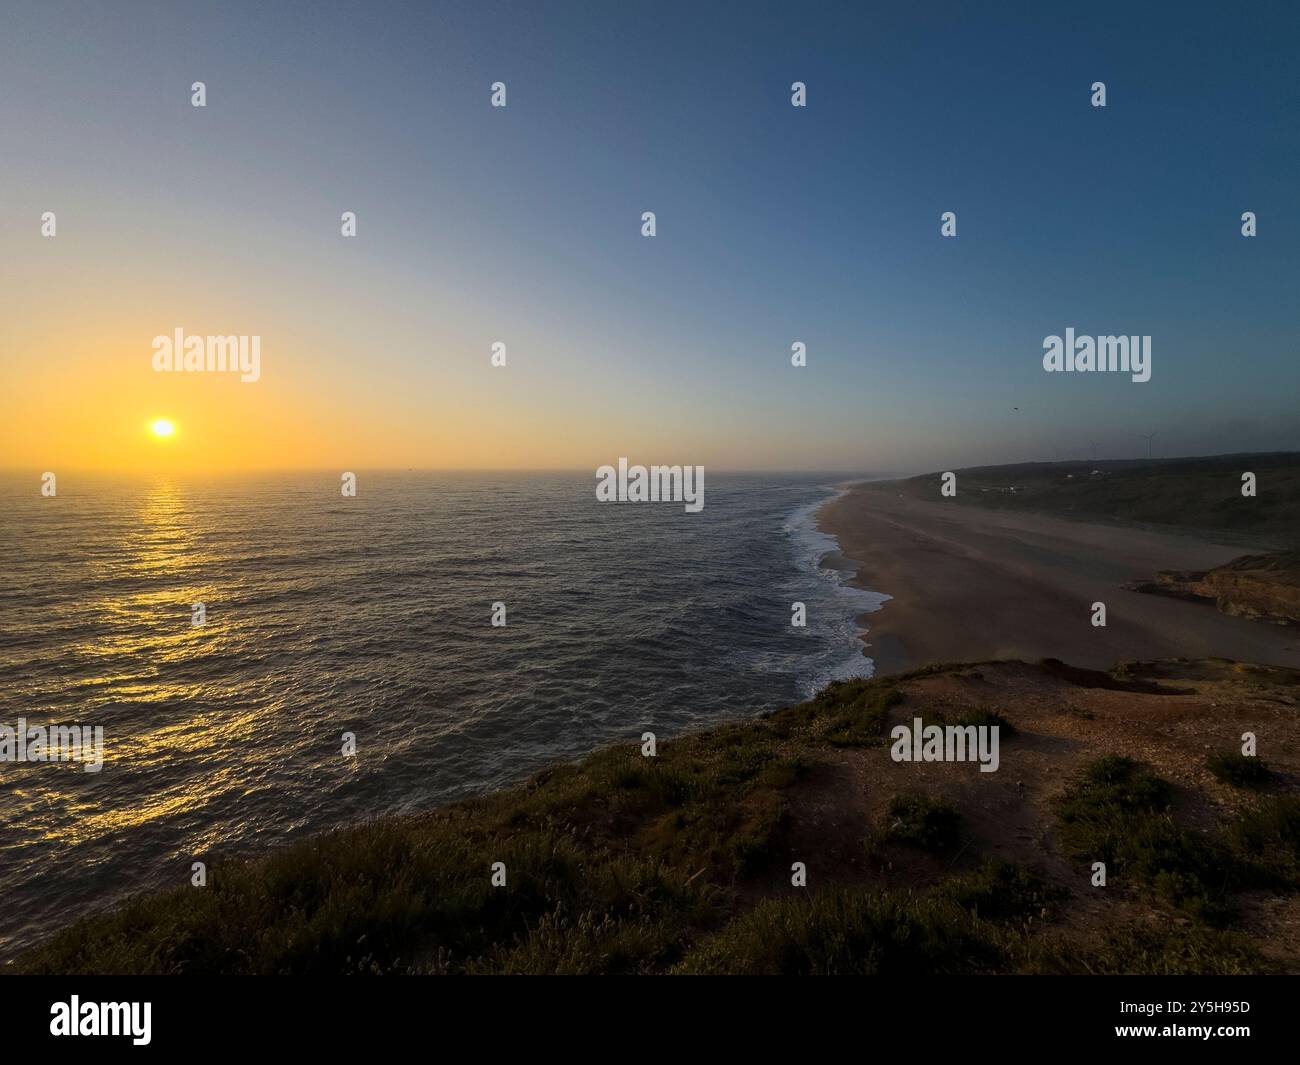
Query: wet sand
point(970, 584)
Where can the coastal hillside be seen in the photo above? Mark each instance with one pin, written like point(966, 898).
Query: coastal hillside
point(1201, 494)
point(684, 862)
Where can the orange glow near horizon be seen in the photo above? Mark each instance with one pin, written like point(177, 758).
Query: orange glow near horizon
point(84, 395)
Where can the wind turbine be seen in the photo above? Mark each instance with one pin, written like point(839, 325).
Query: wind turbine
point(1094, 445)
point(1147, 437)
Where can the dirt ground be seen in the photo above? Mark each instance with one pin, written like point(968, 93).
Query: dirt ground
point(1169, 715)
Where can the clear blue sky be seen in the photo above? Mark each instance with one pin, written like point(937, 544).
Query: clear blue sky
point(775, 224)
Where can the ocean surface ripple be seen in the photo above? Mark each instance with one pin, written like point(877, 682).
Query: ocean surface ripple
point(370, 615)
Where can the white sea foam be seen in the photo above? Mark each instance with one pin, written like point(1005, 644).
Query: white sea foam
point(846, 603)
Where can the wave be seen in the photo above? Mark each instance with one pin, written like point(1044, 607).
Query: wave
point(818, 553)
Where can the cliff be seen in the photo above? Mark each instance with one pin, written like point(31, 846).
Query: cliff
point(1261, 587)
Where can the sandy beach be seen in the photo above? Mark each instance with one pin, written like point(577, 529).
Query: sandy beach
point(971, 584)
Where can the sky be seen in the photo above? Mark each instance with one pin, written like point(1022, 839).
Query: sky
point(522, 224)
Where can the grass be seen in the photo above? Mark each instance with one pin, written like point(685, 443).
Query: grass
point(1003, 891)
point(1202, 493)
point(680, 863)
point(1119, 813)
point(1239, 770)
point(920, 820)
point(852, 713)
point(615, 864)
point(982, 717)
point(1140, 948)
point(1267, 838)
point(851, 931)
point(599, 857)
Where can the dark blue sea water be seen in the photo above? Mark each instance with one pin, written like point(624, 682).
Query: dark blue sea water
point(369, 615)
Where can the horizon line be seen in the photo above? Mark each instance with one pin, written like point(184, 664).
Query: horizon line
point(818, 471)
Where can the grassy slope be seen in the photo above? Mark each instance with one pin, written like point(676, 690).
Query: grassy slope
point(1195, 494)
point(681, 863)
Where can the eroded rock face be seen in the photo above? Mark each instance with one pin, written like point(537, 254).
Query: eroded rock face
point(1259, 587)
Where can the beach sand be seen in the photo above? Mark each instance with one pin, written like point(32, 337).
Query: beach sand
point(971, 584)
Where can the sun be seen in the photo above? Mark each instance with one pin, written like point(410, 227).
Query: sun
point(162, 428)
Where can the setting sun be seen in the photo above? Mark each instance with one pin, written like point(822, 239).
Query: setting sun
point(162, 428)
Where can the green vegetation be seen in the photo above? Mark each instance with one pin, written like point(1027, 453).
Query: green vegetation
point(922, 821)
point(1119, 813)
point(681, 863)
point(616, 864)
point(982, 716)
point(1202, 494)
point(1267, 837)
point(1239, 770)
point(1001, 891)
point(1194, 951)
point(846, 713)
point(847, 931)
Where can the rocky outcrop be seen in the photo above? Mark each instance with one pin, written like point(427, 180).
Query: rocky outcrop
point(1259, 587)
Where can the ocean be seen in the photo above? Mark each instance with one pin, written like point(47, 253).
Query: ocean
point(373, 616)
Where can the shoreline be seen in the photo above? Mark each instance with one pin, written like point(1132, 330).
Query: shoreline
point(844, 571)
point(970, 584)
